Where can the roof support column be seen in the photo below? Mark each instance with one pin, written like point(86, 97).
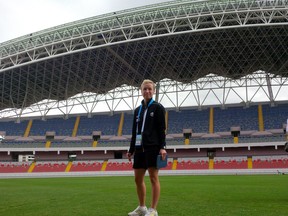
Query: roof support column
point(157, 91)
point(270, 92)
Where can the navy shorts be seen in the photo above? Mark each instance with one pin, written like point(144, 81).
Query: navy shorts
point(145, 160)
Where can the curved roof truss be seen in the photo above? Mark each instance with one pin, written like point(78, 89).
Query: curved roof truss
point(143, 23)
point(211, 90)
point(206, 49)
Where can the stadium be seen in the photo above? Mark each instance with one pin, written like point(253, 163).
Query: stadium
point(68, 94)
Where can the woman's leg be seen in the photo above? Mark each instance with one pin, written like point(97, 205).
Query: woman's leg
point(154, 179)
point(139, 175)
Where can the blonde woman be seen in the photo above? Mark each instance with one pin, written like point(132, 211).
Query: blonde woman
point(147, 142)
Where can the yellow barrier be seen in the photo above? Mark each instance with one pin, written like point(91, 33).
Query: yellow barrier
point(175, 163)
point(68, 167)
point(31, 168)
point(103, 168)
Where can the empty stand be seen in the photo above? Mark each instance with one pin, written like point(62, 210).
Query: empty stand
point(127, 125)
point(87, 166)
point(113, 143)
point(261, 138)
point(246, 118)
point(22, 144)
point(71, 143)
point(62, 127)
point(230, 163)
point(270, 162)
point(14, 129)
point(50, 166)
point(274, 117)
point(14, 167)
point(197, 120)
point(107, 124)
point(118, 165)
point(193, 163)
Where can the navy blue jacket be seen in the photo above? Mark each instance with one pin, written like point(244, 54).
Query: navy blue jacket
point(153, 136)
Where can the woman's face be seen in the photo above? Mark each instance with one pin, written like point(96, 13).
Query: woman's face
point(147, 91)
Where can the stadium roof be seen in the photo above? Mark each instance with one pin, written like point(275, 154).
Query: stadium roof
point(184, 46)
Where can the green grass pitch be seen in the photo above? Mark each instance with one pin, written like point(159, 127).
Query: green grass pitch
point(251, 195)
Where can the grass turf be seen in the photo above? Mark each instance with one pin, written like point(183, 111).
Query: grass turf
point(251, 195)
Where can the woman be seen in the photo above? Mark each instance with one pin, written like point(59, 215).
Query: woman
point(147, 142)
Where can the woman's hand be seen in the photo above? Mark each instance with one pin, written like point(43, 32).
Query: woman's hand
point(163, 153)
point(129, 156)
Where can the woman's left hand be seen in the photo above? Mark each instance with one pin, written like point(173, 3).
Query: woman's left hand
point(163, 153)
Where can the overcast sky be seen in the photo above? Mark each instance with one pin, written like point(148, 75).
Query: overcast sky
point(21, 17)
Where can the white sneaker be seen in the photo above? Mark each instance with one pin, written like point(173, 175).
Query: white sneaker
point(151, 212)
point(139, 211)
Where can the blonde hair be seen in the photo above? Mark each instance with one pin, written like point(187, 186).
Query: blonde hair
point(148, 81)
